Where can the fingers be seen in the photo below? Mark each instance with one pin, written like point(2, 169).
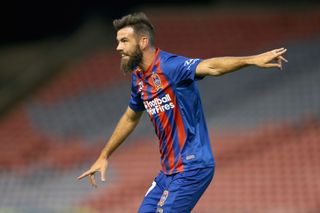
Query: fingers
point(85, 174)
point(271, 65)
point(275, 65)
point(103, 170)
point(280, 63)
point(280, 59)
point(91, 177)
point(279, 51)
point(278, 55)
point(103, 174)
point(283, 59)
point(99, 166)
point(92, 180)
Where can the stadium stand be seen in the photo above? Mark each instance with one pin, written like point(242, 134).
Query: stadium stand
point(265, 124)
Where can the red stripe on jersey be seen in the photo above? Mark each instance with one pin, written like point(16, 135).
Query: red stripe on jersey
point(151, 95)
point(144, 96)
point(177, 118)
point(167, 129)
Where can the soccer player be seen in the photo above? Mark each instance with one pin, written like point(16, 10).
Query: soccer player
point(165, 85)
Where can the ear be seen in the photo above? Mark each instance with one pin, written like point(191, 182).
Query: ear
point(144, 42)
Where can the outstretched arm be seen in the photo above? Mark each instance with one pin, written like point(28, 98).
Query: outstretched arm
point(125, 126)
point(222, 65)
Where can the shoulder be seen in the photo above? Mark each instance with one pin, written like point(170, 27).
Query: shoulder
point(170, 60)
point(165, 56)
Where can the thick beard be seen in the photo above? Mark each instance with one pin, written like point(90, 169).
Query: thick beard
point(133, 61)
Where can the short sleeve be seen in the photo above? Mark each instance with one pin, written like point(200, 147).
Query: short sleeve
point(182, 68)
point(135, 103)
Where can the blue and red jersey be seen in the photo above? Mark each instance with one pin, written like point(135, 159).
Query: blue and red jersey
point(168, 91)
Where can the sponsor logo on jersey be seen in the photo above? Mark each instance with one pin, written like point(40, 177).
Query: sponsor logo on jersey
point(158, 105)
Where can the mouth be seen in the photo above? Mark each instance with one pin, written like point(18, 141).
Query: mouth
point(124, 55)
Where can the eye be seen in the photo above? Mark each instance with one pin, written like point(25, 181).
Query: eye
point(124, 40)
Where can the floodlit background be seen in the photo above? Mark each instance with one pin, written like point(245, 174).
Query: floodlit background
point(62, 93)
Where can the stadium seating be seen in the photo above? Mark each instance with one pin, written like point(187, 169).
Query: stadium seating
point(265, 124)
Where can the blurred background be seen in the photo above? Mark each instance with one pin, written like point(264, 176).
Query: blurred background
point(62, 93)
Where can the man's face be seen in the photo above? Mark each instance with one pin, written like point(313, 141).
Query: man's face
point(128, 47)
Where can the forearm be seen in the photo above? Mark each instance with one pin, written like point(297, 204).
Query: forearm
point(125, 126)
point(222, 65)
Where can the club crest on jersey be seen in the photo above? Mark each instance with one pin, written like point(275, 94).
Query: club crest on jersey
point(156, 81)
point(163, 198)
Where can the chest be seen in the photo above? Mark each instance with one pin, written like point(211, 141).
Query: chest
point(153, 85)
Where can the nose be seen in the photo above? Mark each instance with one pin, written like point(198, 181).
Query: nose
point(119, 47)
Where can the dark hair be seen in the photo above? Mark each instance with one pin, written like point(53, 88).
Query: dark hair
point(140, 24)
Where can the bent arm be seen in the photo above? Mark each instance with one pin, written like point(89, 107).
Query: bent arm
point(222, 65)
point(125, 126)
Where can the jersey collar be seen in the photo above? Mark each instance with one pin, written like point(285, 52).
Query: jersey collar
point(153, 62)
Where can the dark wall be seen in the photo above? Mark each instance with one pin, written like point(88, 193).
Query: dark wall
point(29, 20)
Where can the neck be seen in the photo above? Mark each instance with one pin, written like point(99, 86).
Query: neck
point(147, 58)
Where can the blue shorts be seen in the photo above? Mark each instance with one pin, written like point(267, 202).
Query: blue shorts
point(176, 193)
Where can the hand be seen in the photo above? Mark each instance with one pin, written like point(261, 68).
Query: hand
point(99, 166)
point(266, 59)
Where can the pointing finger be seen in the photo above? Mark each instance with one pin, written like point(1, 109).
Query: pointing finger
point(84, 174)
point(281, 49)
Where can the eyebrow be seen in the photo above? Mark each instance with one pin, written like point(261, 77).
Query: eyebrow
point(122, 38)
